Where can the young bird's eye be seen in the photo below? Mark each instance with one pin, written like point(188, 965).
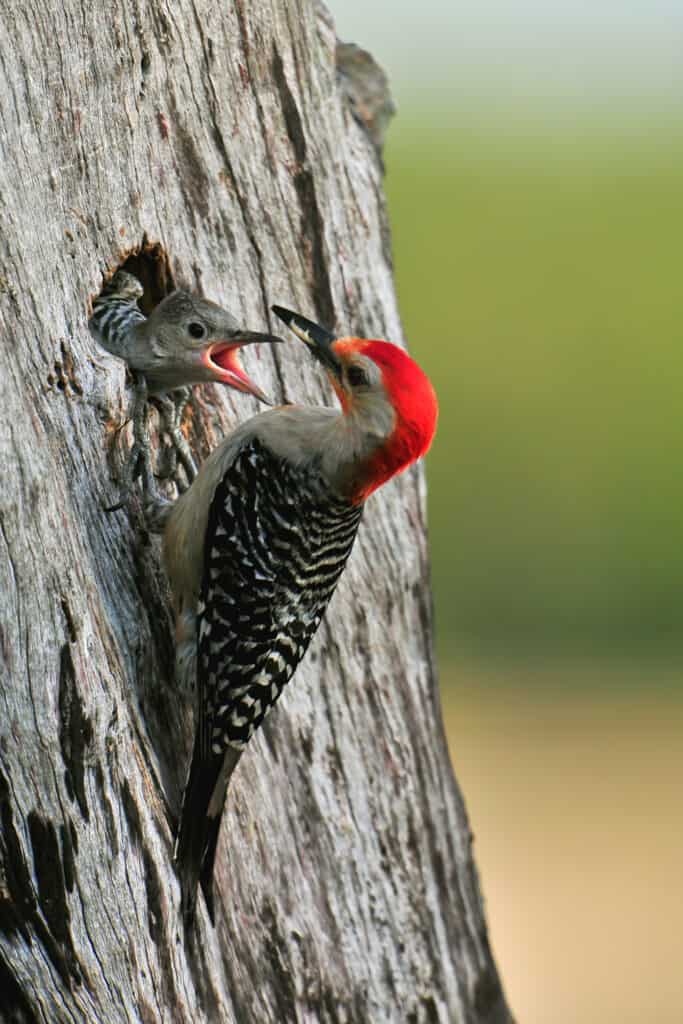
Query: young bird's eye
point(357, 376)
point(196, 330)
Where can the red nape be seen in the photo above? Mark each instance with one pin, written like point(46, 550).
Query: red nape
point(417, 409)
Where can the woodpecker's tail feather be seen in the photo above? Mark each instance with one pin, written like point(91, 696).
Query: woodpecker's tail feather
point(206, 873)
point(200, 822)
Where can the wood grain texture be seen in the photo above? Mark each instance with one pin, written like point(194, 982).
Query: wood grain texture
point(347, 886)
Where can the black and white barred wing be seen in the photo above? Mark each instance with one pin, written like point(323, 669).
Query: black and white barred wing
point(276, 545)
point(115, 312)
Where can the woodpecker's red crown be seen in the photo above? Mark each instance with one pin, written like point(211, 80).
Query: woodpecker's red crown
point(410, 394)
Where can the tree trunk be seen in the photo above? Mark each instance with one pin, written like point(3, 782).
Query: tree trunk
point(222, 147)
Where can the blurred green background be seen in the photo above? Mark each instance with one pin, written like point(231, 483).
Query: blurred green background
point(535, 182)
point(538, 269)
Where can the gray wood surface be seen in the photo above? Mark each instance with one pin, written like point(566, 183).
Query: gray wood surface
point(224, 133)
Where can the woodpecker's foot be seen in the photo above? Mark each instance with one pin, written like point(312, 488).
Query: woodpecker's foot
point(157, 510)
point(171, 410)
point(167, 464)
point(186, 654)
point(139, 462)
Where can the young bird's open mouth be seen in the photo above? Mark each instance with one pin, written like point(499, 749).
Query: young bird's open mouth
point(222, 359)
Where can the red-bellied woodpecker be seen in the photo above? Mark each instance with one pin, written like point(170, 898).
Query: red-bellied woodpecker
point(255, 547)
point(185, 340)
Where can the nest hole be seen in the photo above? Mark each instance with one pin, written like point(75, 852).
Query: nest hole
point(148, 262)
point(152, 267)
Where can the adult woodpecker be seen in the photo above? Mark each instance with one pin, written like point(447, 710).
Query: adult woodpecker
point(255, 547)
point(185, 340)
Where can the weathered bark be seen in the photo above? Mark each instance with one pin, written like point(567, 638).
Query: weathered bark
point(221, 133)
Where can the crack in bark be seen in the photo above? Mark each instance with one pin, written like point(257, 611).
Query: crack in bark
point(19, 907)
point(13, 570)
point(75, 731)
point(16, 1005)
point(49, 872)
point(17, 899)
point(312, 224)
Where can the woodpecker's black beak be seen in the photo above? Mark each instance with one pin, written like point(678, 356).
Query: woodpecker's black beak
point(318, 339)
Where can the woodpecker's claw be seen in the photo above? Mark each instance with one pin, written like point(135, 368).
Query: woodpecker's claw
point(139, 462)
point(115, 508)
point(171, 411)
point(138, 465)
point(157, 511)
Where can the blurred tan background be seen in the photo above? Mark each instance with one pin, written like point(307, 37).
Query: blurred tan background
point(535, 180)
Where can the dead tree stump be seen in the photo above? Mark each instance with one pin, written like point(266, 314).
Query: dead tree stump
point(221, 147)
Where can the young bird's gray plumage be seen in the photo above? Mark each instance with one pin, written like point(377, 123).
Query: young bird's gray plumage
point(255, 547)
point(185, 340)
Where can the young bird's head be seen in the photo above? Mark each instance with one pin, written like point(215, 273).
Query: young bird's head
point(388, 403)
point(191, 341)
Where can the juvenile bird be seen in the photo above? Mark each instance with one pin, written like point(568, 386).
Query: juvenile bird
point(185, 340)
point(255, 547)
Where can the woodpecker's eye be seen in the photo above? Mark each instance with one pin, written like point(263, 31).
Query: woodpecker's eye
point(357, 376)
point(196, 330)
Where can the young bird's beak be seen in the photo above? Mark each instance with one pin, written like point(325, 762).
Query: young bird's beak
point(222, 359)
point(318, 339)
